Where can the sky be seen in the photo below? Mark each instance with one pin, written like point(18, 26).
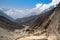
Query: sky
point(22, 4)
point(22, 8)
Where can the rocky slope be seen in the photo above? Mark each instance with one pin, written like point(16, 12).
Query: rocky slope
point(46, 27)
point(48, 30)
point(8, 27)
point(28, 21)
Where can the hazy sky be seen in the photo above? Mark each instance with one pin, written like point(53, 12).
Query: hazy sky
point(23, 8)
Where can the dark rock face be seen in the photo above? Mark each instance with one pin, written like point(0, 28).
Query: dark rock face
point(58, 29)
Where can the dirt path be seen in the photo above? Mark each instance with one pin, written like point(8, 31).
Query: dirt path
point(33, 38)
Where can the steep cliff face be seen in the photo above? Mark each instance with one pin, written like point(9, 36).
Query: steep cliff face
point(50, 17)
point(54, 26)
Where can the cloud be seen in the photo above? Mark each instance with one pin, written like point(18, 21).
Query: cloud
point(1, 9)
point(17, 13)
point(9, 12)
point(41, 7)
point(46, 6)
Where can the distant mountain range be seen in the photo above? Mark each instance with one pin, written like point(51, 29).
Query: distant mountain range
point(5, 15)
point(31, 19)
point(17, 13)
point(7, 22)
point(27, 20)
